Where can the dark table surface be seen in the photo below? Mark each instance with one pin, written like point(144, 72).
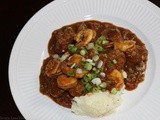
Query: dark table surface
point(14, 15)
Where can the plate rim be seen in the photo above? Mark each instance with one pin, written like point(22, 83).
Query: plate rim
point(29, 24)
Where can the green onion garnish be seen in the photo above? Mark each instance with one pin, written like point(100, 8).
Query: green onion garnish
point(103, 85)
point(90, 76)
point(98, 48)
point(76, 66)
point(72, 48)
point(114, 91)
point(102, 40)
point(94, 69)
point(70, 74)
point(88, 66)
point(88, 87)
point(96, 89)
point(114, 61)
point(90, 46)
point(97, 71)
point(82, 52)
point(95, 58)
point(105, 42)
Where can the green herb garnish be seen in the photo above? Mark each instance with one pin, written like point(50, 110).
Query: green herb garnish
point(102, 40)
point(88, 66)
point(70, 74)
point(72, 48)
point(98, 48)
point(114, 91)
point(88, 87)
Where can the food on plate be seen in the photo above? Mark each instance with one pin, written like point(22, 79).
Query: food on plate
point(96, 104)
point(90, 63)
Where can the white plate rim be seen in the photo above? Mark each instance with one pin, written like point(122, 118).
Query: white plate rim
point(32, 21)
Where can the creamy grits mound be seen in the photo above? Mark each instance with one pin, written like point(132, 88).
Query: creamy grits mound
point(96, 104)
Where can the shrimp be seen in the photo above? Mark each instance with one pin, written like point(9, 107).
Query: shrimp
point(65, 82)
point(80, 73)
point(77, 90)
point(52, 67)
point(75, 59)
point(66, 69)
point(84, 37)
point(124, 45)
point(117, 77)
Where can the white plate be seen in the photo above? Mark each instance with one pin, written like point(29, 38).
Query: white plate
point(30, 48)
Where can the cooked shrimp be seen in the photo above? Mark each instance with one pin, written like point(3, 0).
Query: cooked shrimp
point(84, 37)
point(79, 73)
point(65, 82)
point(66, 69)
point(52, 67)
point(117, 77)
point(75, 59)
point(77, 90)
point(124, 45)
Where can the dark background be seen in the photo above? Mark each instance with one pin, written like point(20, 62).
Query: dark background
point(14, 15)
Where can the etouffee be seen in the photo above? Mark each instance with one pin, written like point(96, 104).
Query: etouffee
point(89, 63)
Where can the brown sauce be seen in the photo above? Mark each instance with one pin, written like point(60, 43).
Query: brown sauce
point(133, 61)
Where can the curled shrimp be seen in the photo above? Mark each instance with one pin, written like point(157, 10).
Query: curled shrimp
point(65, 82)
point(75, 59)
point(117, 77)
point(66, 69)
point(84, 37)
point(52, 67)
point(124, 45)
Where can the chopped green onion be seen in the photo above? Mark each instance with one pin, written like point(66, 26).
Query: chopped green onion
point(98, 48)
point(114, 61)
point(100, 64)
point(72, 48)
point(82, 52)
point(90, 46)
point(114, 91)
point(76, 66)
point(96, 89)
point(88, 66)
point(70, 74)
point(93, 76)
point(85, 80)
point(97, 71)
point(96, 81)
point(90, 76)
point(103, 85)
point(64, 57)
point(95, 58)
point(102, 40)
point(105, 42)
point(94, 69)
point(88, 87)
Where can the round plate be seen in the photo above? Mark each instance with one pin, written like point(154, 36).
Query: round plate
point(30, 48)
